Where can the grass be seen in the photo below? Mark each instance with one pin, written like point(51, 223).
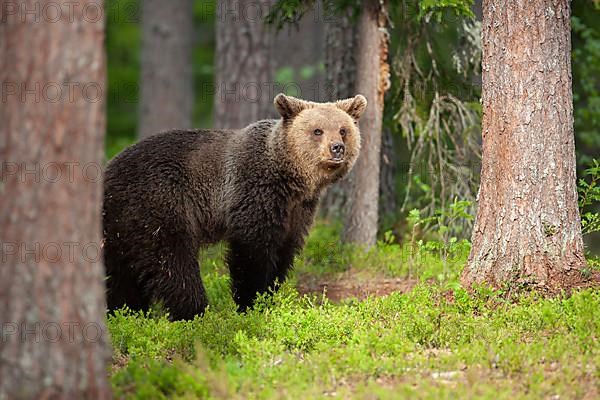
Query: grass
point(436, 341)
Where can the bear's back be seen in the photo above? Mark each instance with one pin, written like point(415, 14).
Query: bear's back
point(170, 180)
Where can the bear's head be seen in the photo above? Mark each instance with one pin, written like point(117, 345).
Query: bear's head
point(322, 139)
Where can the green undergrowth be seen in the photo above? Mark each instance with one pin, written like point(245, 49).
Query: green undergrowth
point(325, 256)
point(436, 341)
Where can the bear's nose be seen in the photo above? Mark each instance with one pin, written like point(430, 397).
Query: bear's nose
point(337, 150)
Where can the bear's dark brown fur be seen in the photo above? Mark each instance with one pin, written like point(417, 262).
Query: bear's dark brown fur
point(256, 188)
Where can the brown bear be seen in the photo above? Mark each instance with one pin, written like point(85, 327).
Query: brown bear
point(256, 188)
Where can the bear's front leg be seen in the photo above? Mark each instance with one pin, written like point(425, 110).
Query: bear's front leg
point(254, 269)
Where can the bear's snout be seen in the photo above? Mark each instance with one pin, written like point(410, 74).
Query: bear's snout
point(337, 150)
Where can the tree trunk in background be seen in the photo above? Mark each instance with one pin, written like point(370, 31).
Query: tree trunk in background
point(387, 184)
point(52, 308)
point(341, 42)
point(301, 49)
point(244, 64)
point(166, 87)
point(340, 80)
point(478, 9)
point(527, 230)
point(372, 81)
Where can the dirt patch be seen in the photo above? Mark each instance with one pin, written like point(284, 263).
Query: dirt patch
point(352, 284)
point(119, 362)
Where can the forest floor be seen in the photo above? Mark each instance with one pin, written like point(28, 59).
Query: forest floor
point(389, 323)
point(352, 284)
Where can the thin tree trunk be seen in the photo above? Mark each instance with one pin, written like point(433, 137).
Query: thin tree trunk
point(478, 9)
point(340, 83)
point(387, 184)
point(245, 87)
point(54, 341)
point(372, 81)
point(166, 91)
point(527, 230)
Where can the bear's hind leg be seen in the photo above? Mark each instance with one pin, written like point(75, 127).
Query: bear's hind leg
point(123, 287)
point(124, 291)
point(179, 287)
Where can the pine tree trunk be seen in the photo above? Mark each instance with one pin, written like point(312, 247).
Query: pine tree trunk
point(245, 87)
point(372, 82)
point(527, 230)
point(340, 81)
point(54, 340)
point(340, 53)
point(166, 92)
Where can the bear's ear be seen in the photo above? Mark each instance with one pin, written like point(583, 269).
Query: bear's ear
point(354, 106)
point(287, 106)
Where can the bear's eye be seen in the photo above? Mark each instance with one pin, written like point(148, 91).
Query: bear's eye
point(318, 132)
point(343, 132)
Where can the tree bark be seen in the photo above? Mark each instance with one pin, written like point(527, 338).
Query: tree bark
point(340, 83)
point(244, 64)
point(54, 341)
point(527, 230)
point(166, 91)
point(372, 81)
point(341, 40)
